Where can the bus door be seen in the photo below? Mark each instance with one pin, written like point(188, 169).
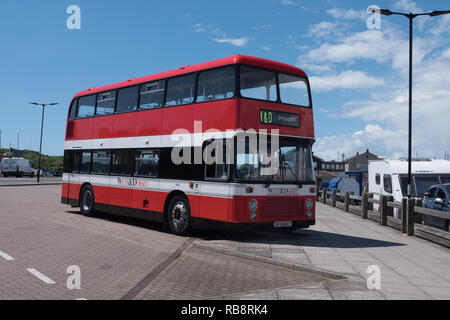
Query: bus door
point(73, 162)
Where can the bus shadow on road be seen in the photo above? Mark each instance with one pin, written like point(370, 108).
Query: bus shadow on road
point(298, 238)
point(322, 239)
point(140, 223)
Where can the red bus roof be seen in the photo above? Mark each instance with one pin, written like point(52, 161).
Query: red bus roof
point(241, 59)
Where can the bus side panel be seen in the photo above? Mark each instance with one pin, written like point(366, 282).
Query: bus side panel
point(102, 127)
point(224, 116)
point(177, 118)
point(148, 123)
point(194, 202)
point(101, 194)
point(65, 190)
point(82, 129)
point(122, 197)
point(214, 208)
point(74, 191)
point(146, 200)
point(125, 125)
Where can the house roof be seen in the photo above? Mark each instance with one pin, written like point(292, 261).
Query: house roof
point(357, 155)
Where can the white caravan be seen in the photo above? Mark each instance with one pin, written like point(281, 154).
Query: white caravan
point(16, 167)
point(390, 177)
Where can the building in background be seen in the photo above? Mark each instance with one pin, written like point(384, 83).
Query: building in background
point(327, 170)
point(360, 162)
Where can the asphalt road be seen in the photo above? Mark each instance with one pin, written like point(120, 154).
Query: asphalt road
point(44, 245)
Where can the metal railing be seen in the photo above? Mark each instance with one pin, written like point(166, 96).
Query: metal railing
point(406, 216)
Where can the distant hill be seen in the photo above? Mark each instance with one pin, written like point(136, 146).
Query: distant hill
point(48, 163)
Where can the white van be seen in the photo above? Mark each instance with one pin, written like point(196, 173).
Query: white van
point(390, 177)
point(16, 167)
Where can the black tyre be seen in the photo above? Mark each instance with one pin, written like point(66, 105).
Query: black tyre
point(179, 216)
point(87, 201)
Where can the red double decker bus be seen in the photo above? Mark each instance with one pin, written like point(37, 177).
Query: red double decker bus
point(124, 143)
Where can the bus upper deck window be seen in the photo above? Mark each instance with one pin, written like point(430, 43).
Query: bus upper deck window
point(258, 83)
point(216, 84)
point(293, 90)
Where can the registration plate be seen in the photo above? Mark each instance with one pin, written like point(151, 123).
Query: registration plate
point(282, 224)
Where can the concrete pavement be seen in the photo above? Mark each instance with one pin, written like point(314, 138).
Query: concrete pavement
point(411, 268)
point(25, 181)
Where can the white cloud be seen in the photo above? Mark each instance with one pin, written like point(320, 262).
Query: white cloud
point(316, 68)
point(201, 28)
point(442, 25)
point(407, 6)
point(446, 54)
point(263, 27)
point(387, 116)
point(238, 42)
point(348, 79)
point(347, 14)
point(382, 46)
point(372, 137)
point(288, 2)
point(384, 113)
point(265, 48)
point(291, 3)
point(322, 29)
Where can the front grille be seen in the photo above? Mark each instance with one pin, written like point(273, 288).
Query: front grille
point(281, 207)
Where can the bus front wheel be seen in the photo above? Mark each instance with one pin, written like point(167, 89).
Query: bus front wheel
point(87, 201)
point(179, 216)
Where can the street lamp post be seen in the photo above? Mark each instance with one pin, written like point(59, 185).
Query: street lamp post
point(42, 128)
point(411, 17)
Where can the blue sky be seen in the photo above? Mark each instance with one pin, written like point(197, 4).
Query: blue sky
point(358, 76)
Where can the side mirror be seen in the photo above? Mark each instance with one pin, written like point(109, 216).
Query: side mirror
point(439, 201)
point(426, 194)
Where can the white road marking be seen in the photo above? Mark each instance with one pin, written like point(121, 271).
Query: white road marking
point(6, 256)
point(40, 276)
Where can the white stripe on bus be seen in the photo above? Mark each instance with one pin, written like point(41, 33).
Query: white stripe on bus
point(205, 188)
point(157, 141)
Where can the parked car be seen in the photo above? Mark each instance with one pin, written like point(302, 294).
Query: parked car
point(16, 167)
point(324, 185)
point(437, 197)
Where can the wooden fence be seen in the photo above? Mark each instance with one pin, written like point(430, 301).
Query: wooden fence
point(408, 215)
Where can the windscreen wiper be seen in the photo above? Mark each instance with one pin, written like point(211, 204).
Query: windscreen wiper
point(287, 166)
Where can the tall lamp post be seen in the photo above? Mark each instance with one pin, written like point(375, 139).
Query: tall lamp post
point(42, 127)
point(411, 17)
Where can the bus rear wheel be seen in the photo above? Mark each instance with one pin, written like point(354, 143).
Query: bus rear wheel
point(179, 216)
point(87, 201)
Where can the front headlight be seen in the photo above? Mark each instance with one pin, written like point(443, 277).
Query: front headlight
point(309, 204)
point(253, 205)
